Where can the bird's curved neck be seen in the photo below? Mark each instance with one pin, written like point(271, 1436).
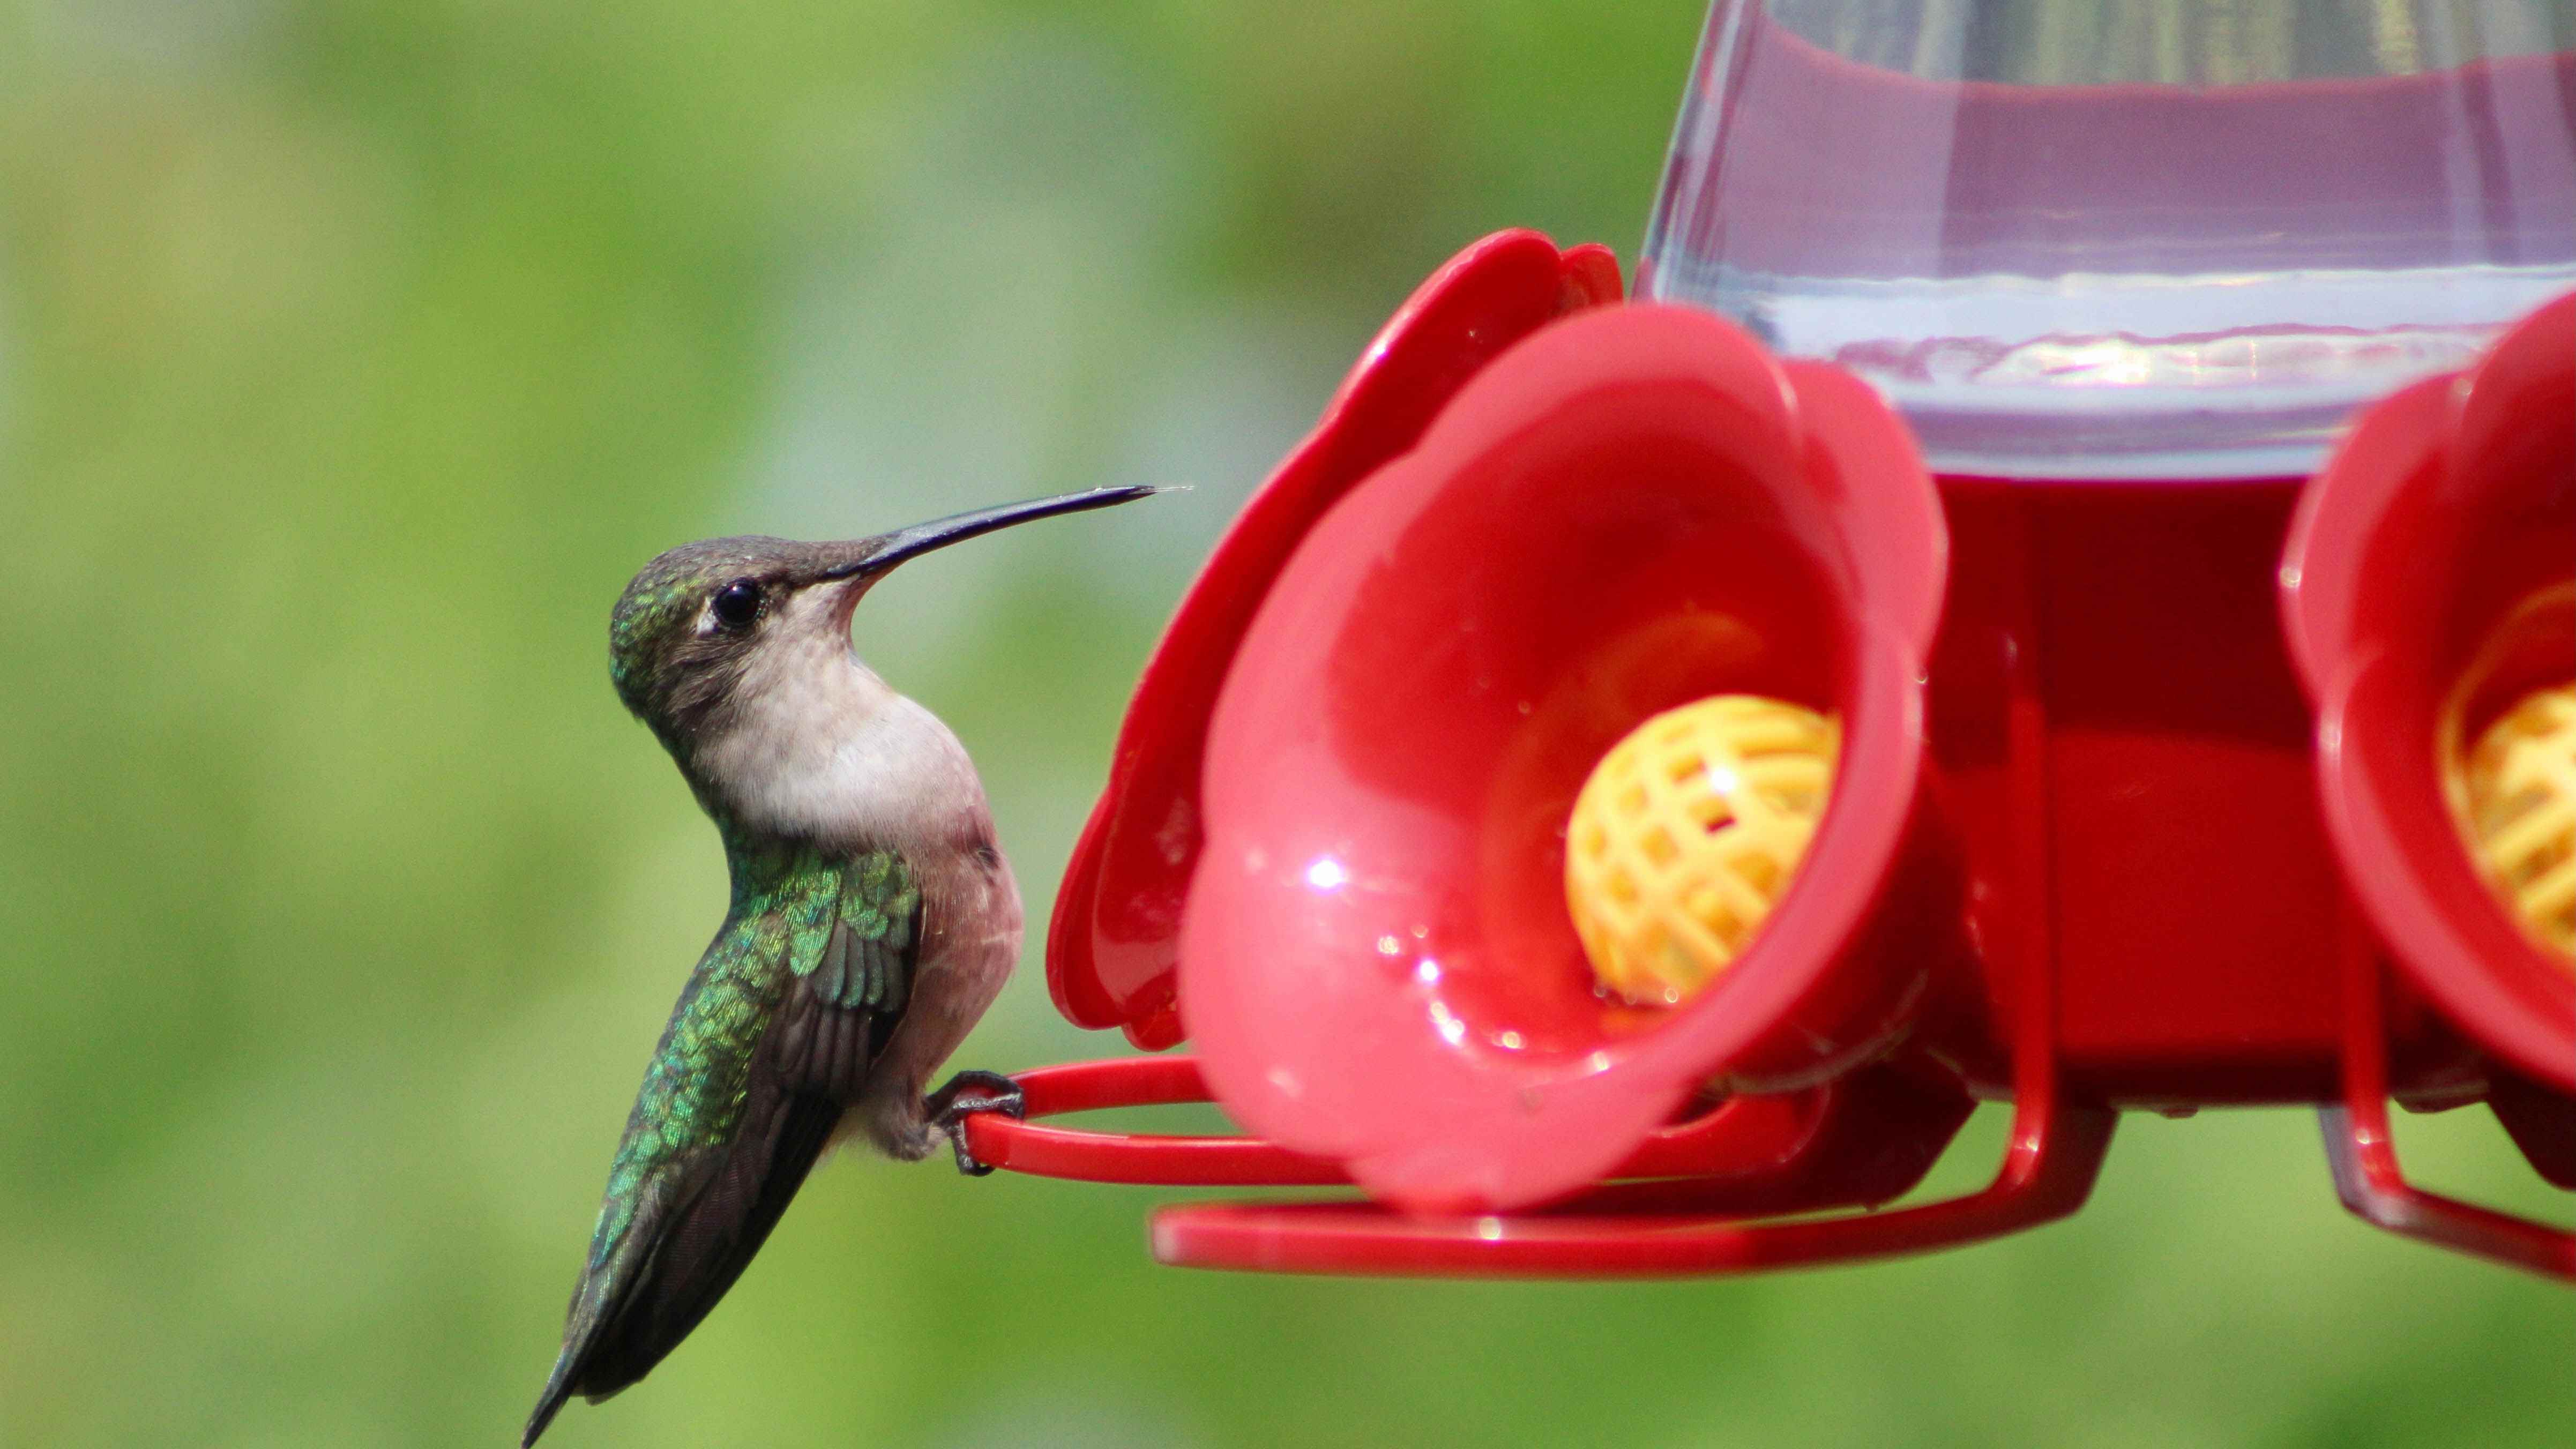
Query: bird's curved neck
point(820, 750)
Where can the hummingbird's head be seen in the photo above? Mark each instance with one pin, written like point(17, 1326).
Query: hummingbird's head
point(695, 628)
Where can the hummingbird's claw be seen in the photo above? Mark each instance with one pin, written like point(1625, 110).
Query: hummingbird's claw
point(966, 1094)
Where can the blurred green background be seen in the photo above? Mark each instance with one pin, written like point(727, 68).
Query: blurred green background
point(351, 357)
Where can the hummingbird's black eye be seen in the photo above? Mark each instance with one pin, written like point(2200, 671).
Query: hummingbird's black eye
point(737, 604)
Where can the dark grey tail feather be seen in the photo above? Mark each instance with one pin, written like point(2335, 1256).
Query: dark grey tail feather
point(601, 1298)
point(676, 1265)
point(558, 1389)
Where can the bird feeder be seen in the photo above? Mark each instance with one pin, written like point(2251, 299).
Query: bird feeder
point(2152, 465)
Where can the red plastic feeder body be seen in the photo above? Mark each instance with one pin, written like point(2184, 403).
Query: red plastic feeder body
point(2141, 795)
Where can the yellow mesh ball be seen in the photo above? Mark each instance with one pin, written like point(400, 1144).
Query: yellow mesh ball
point(2520, 786)
point(1686, 835)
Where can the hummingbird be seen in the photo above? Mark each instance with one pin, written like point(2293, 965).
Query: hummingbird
point(873, 919)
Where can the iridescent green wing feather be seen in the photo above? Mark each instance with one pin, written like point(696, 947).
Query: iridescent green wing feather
point(837, 1018)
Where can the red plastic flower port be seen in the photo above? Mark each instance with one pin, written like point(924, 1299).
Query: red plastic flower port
point(2441, 534)
point(1337, 807)
point(1631, 509)
point(1113, 944)
point(2431, 572)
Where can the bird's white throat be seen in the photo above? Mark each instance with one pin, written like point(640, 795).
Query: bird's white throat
point(818, 746)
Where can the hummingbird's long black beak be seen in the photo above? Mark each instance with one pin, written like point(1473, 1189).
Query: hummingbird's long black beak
point(921, 538)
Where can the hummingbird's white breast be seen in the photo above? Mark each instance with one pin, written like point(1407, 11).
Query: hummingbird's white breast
point(818, 746)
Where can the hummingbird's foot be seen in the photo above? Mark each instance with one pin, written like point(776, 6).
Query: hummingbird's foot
point(966, 1094)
